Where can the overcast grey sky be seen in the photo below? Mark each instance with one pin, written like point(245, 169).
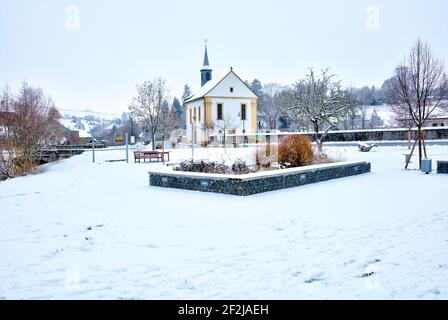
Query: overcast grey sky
point(92, 53)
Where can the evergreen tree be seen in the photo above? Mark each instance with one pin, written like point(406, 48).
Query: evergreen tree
point(187, 92)
point(179, 111)
point(257, 87)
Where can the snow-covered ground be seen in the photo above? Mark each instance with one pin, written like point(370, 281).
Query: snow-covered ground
point(80, 230)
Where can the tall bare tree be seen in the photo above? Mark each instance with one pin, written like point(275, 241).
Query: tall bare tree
point(147, 106)
point(222, 126)
point(419, 85)
point(269, 104)
point(319, 101)
point(28, 123)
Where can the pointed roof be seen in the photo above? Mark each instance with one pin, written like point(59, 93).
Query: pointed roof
point(210, 85)
point(206, 64)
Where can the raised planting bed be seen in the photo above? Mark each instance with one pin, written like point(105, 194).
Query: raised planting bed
point(253, 183)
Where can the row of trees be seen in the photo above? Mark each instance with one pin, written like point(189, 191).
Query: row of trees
point(273, 116)
point(28, 123)
point(417, 88)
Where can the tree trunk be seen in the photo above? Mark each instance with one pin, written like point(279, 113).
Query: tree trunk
point(317, 139)
point(409, 139)
point(424, 144)
point(225, 150)
point(153, 141)
point(419, 147)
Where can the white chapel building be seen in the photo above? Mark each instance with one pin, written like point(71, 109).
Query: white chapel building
point(225, 103)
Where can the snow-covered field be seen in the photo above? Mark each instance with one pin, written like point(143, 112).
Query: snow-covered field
point(80, 230)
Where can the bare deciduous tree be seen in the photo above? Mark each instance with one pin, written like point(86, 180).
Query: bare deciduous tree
point(269, 104)
point(28, 123)
point(222, 126)
point(147, 106)
point(419, 85)
point(319, 101)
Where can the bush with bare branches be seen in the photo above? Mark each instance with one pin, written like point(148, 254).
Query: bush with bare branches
point(295, 151)
point(28, 123)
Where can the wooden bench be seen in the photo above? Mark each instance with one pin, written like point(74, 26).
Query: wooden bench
point(158, 155)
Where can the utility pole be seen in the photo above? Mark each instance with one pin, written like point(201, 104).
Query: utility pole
point(192, 137)
point(93, 149)
point(242, 116)
point(244, 133)
point(127, 147)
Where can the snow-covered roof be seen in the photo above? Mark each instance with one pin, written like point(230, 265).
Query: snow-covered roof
point(73, 125)
point(384, 112)
point(203, 90)
point(210, 85)
point(439, 113)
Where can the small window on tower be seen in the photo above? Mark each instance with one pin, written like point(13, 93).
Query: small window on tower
point(231, 89)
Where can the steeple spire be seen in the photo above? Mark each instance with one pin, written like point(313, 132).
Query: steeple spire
point(206, 71)
point(206, 64)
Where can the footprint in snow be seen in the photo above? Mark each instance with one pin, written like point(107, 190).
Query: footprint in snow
point(367, 274)
point(96, 226)
point(52, 253)
point(186, 285)
point(314, 278)
point(371, 262)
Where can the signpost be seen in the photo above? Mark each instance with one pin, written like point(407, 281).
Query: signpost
point(127, 147)
point(93, 149)
point(192, 137)
point(119, 139)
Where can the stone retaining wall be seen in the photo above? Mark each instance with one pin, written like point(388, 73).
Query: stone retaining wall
point(244, 185)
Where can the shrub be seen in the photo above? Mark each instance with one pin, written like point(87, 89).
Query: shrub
point(262, 160)
point(159, 145)
point(295, 151)
point(240, 167)
point(322, 158)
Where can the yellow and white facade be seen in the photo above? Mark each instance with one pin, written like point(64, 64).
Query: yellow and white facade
point(227, 103)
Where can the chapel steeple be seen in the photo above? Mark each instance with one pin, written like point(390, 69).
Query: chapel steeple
point(206, 71)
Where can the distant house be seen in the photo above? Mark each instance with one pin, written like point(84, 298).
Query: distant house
point(77, 131)
point(438, 118)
